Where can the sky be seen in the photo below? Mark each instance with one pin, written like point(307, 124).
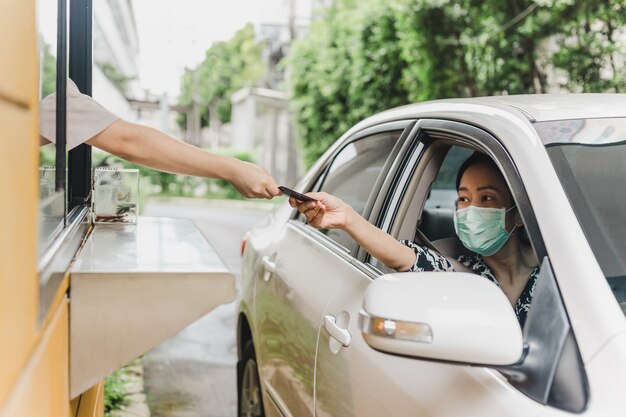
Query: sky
point(173, 34)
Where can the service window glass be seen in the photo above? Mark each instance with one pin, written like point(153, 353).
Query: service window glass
point(51, 192)
point(353, 173)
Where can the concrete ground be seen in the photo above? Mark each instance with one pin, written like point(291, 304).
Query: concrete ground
point(193, 374)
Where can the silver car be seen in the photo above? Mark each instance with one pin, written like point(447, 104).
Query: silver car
point(325, 329)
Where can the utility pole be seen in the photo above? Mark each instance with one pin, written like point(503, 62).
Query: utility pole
point(292, 151)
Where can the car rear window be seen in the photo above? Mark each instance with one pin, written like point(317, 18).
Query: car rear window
point(589, 156)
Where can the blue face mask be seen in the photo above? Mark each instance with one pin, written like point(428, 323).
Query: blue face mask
point(481, 229)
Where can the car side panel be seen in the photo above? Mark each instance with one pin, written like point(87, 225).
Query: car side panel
point(359, 381)
point(287, 310)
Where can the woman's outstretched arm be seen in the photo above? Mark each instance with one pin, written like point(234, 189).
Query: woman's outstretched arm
point(330, 212)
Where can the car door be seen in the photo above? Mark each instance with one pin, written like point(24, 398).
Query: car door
point(304, 266)
point(356, 380)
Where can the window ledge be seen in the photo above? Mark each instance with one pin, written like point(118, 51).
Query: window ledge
point(134, 286)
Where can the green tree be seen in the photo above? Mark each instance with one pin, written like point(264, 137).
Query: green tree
point(344, 72)
point(589, 50)
point(366, 56)
point(49, 72)
point(227, 67)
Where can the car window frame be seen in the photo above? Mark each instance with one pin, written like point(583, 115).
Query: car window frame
point(317, 180)
point(428, 130)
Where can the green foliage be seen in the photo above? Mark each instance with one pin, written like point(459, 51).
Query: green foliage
point(49, 72)
point(367, 56)
point(227, 67)
point(589, 51)
point(47, 156)
point(344, 72)
point(115, 392)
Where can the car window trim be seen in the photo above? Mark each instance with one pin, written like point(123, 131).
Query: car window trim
point(320, 238)
point(391, 182)
point(361, 134)
point(405, 126)
point(382, 127)
point(390, 167)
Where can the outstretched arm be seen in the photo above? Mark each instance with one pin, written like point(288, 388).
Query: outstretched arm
point(152, 148)
point(330, 212)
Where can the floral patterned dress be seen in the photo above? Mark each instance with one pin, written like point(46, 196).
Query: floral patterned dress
point(429, 260)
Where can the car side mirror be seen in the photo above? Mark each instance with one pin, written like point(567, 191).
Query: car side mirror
point(447, 316)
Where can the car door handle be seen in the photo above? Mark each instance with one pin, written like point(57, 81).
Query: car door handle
point(268, 264)
point(341, 335)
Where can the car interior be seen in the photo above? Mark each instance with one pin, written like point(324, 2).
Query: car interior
point(423, 219)
point(428, 217)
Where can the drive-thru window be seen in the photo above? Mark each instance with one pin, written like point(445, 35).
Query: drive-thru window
point(78, 299)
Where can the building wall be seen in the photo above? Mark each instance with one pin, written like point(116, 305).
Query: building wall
point(261, 124)
point(116, 45)
point(110, 97)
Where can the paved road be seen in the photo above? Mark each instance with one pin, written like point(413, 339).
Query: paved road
point(193, 373)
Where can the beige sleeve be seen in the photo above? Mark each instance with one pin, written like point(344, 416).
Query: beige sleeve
point(85, 117)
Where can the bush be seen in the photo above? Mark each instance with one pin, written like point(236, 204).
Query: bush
point(115, 392)
point(370, 55)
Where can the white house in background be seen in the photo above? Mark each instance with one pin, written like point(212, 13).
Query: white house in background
point(261, 120)
point(261, 124)
point(115, 55)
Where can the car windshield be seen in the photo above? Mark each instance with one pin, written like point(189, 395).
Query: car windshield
point(589, 156)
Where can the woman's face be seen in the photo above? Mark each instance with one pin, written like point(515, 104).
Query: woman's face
point(483, 186)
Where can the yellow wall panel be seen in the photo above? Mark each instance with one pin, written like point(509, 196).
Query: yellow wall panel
point(92, 402)
point(18, 187)
point(43, 387)
point(18, 211)
point(18, 50)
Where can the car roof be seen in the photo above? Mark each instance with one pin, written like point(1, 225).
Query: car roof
point(533, 107)
point(507, 117)
point(546, 107)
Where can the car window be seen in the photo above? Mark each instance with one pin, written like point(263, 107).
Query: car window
point(433, 187)
point(437, 217)
point(352, 174)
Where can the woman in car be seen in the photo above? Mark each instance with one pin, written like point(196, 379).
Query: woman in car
point(486, 221)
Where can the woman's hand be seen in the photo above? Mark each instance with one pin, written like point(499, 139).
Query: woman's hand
point(252, 181)
point(328, 212)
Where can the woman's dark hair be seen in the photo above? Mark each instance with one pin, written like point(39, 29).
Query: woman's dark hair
point(475, 159)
